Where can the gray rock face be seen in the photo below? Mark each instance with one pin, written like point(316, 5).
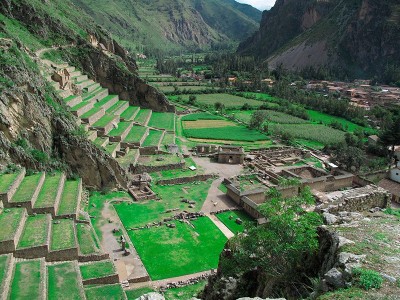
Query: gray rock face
point(330, 219)
point(257, 298)
point(389, 278)
point(152, 296)
point(334, 278)
point(345, 258)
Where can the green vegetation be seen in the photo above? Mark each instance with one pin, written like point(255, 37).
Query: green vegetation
point(229, 219)
point(48, 193)
point(344, 294)
point(9, 222)
point(117, 106)
point(136, 293)
point(35, 231)
point(159, 160)
point(392, 211)
point(169, 139)
point(282, 118)
point(163, 121)
point(105, 100)
point(183, 250)
point(69, 198)
point(122, 127)
point(27, 188)
point(104, 292)
point(97, 269)
point(6, 180)
point(61, 278)
point(27, 280)
point(153, 139)
point(128, 159)
point(111, 147)
point(142, 116)
point(4, 265)
point(201, 116)
point(103, 121)
point(62, 235)
point(171, 196)
point(136, 134)
point(234, 133)
point(229, 101)
point(129, 113)
point(86, 239)
point(368, 279)
point(186, 292)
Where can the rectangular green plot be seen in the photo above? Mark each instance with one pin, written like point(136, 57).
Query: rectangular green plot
point(229, 220)
point(62, 235)
point(129, 113)
point(91, 112)
point(103, 121)
point(105, 100)
point(97, 269)
point(136, 134)
point(26, 283)
point(35, 232)
point(153, 138)
point(105, 292)
point(230, 101)
point(169, 138)
point(126, 160)
point(90, 95)
point(9, 222)
point(142, 116)
point(63, 282)
point(6, 180)
point(117, 106)
point(48, 193)
point(87, 240)
point(27, 188)
point(234, 133)
point(4, 266)
point(122, 126)
point(70, 98)
point(69, 198)
point(99, 141)
point(111, 147)
point(201, 116)
point(162, 120)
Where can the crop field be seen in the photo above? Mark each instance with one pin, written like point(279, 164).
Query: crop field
point(153, 139)
point(27, 188)
point(62, 235)
point(310, 144)
point(169, 88)
point(135, 134)
point(122, 127)
point(170, 252)
point(319, 133)
point(104, 292)
point(6, 180)
point(229, 101)
point(169, 138)
point(48, 193)
point(35, 232)
point(97, 269)
point(163, 121)
point(141, 213)
point(282, 118)
point(69, 198)
point(9, 221)
point(232, 133)
point(61, 278)
point(262, 97)
point(26, 281)
point(159, 160)
point(207, 124)
point(229, 219)
point(86, 239)
point(129, 113)
point(142, 116)
point(201, 116)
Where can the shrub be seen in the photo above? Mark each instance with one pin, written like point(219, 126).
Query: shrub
point(39, 155)
point(368, 279)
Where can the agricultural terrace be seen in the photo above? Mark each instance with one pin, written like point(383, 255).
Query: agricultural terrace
point(159, 160)
point(86, 239)
point(230, 101)
point(9, 221)
point(26, 283)
point(229, 220)
point(35, 232)
point(4, 263)
point(139, 214)
point(186, 249)
point(69, 199)
point(162, 121)
point(6, 180)
point(61, 278)
point(62, 235)
point(153, 139)
point(97, 269)
point(48, 193)
point(27, 188)
point(104, 292)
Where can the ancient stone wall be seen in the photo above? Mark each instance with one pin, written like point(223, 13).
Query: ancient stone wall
point(93, 257)
point(32, 252)
point(63, 255)
point(103, 280)
point(139, 169)
point(185, 179)
point(11, 245)
point(13, 188)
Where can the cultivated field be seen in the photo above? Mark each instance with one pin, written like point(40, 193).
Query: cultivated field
point(63, 282)
point(162, 121)
point(207, 124)
point(97, 269)
point(229, 101)
point(104, 292)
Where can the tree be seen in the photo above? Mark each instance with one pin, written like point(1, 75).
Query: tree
point(258, 118)
point(219, 106)
point(390, 137)
point(192, 99)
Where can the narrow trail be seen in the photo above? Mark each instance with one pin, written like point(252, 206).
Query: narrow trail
point(225, 230)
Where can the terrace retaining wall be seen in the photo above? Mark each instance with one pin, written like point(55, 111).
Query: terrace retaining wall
point(32, 252)
point(63, 255)
point(52, 209)
point(186, 179)
point(102, 280)
point(140, 169)
point(93, 257)
point(11, 245)
point(6, 197)
point(4, 288)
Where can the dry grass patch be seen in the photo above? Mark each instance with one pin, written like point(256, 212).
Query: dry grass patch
point(208, 124)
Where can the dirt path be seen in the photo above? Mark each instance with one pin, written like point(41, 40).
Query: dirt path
point(225, 230)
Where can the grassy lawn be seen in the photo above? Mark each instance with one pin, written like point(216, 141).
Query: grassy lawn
point(170, 174)
point(229, 219)
point(105, 100)
point(48, 193)
point(6, 180)
point(27, 188)
point(136, 134)
point(129, 113)
point(183, 250)
point(100, 141)
point(122, 127)
point(86, 239)
point(171, 196)
point(117, 106)
point(230, 133)
point(142, 115)
point(313, 132)
point(110, 148)
point(88, 113)
point(310, 144)
point(127, 159)
point(136, 293)
point(186, 292)
point(97, 269)
point(35, 232)
point(4, 261)
point(229, 101)
point(62, 235)
point(159, 160)
point(26, 281)
point(163, 120)
point(104, 292)
point(9, 221)
point(153, 138)
point(201, 116)
point(103, 121)
point(262, 97)
point(69, 198)
point(169, 138)
point(63, 282)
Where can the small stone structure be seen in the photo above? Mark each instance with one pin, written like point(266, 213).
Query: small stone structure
point(233, 155)
point(139, 188)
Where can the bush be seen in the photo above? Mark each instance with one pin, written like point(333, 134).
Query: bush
point(39, 156)
point(368, 279)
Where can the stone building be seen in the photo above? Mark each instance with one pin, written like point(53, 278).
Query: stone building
point(230, 155)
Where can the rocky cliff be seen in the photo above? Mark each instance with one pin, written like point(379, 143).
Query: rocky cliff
point(360, 36)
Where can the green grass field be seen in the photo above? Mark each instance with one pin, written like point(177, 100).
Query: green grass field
point(262, 97)
point(229, 101)
point(86, 239)
point(97, 269)
point(183, 250)
point(63, 282)
point(104, 292)
point(162, 121)
point(117, 106)
point(69, 198)
point(229, 219)
point(234, 133)
point(48, 193)
point(171, 196)
point(135, 134)
point(153, 138)
point(129, 113)
point(26, 281)
point(62, 235)
point(103, 121)
point(142, 116)
point(186, 292)
point(9, 221)
point(35, 232)
point(159, 160)
point(122, 127)
point(169, 88)
point(169, 138)
point(6, 180)
point(4, 264)
point(111, 147)
point(27, 188)
point(201, 116)
point(136, 293)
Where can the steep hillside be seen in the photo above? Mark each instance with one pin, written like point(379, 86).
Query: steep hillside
point(36, 129)
point(359, 36)
point(174, 24)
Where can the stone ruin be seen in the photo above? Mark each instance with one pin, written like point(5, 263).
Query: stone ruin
point(139, 187)
point(276, 157)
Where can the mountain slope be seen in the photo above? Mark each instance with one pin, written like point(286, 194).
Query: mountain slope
point(359, 36)
point(172, 25)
